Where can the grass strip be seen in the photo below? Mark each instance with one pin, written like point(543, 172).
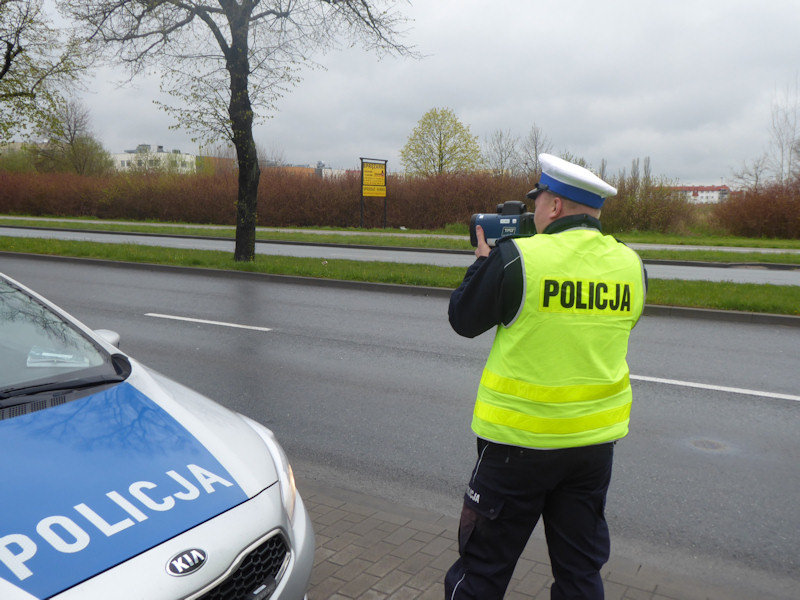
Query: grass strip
point(721, 256)
point(348, 270)
point(643, 237)
point(766, 298)
point(439, 240)
point(726, 295)
point(400, 239)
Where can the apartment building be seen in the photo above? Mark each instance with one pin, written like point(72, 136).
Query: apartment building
point(704, 194)
point(144, 158)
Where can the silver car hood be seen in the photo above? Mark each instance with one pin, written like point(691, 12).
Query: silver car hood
point(226, 434)
point(118, 472)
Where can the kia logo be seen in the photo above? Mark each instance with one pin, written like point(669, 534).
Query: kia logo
point(186, 562)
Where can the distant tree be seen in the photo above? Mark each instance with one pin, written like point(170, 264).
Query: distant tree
point(87, 156)
point(440, 143)
point(272, 156)
point(780, 162)
point(217, 158)
point(69, 144)
point(38, 64)
point(534, 144)
point(602, 172)
point(635, 181)
point(500, 154)
point(578, 160)
point(227, 61)
point(784, 135)
point(753, 173)
point(17, 160)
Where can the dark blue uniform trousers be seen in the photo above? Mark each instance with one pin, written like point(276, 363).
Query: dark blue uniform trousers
point(509, 490)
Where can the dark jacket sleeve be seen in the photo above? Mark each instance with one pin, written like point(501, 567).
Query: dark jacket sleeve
point(490, 293)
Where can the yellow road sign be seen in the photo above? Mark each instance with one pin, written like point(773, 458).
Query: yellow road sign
point(373, 179)
point(374, 191)
point(374, 174)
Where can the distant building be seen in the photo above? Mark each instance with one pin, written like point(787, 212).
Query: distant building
point(704, 194)
point(319, 171)
point(145, 159)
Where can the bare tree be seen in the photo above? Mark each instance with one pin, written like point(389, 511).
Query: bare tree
point(533, 145)
point(272, 156)
point(71, 121)
point(69, 144)
point(602, 172)
point(573, 158)
point(500, 153)
point(226, 61)
point(780, 162)
point(635, 180)
point(752, 173)
point(784, 135)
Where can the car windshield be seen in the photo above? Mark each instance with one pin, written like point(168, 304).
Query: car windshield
point(40, 349)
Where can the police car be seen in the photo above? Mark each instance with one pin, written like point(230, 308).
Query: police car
point(120, 483)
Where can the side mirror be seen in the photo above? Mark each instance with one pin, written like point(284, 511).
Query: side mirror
point(112, 337)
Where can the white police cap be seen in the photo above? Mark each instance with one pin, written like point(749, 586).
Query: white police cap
point(571, 181)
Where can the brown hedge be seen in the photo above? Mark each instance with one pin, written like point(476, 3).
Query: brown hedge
point(291, 199)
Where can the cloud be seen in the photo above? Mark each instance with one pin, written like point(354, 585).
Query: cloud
point(688, 84)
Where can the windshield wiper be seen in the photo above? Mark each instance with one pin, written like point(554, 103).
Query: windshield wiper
point(57, 386)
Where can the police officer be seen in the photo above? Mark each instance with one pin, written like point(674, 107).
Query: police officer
point(555, 393)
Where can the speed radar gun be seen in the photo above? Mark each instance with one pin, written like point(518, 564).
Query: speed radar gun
point(511, 218)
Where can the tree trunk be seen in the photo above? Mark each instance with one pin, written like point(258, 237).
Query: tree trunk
point(241, 113)
point(247, 199)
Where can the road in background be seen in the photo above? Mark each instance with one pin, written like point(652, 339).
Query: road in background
point(736, 274)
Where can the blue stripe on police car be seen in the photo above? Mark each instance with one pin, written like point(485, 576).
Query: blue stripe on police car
point(114, 476)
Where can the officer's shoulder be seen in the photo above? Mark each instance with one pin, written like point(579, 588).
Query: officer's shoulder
point(621, 243)
point(625, 248)
point(510, 239)
point(507, 248)
point(508, 245)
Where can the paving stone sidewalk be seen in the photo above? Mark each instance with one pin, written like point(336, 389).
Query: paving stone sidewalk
point(371, 549)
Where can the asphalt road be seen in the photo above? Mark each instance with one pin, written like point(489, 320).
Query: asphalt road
point(737, 274)
point(372, 391)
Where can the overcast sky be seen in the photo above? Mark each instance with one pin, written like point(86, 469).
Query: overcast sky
point(688, 83)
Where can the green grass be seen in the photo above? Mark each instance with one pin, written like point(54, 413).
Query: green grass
point(453, 238)
point(720, 256)
point(773, 299)
point(349, 270)
point(725, 295)
point(367, 237)
point(638, 237)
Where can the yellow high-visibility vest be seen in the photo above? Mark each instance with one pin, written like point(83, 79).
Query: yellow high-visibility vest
point(556, 376)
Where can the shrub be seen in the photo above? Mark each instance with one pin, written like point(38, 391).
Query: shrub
point(772, 211)
point(289, 198)
point(655, 208)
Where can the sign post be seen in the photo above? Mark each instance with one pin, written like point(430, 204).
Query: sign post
point(373, 183)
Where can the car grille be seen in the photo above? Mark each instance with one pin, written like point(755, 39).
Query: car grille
point(257, 576)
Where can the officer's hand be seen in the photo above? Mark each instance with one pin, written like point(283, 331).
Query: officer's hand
point(483, 248)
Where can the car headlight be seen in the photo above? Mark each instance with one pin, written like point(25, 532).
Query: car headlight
point(284, 469)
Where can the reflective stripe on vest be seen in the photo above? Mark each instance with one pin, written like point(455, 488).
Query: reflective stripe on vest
point(544, 393)
point(523, 414)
